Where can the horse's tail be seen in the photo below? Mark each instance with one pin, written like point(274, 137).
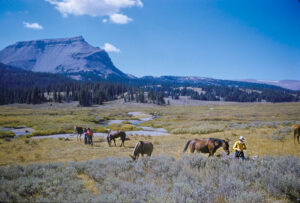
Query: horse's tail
point(187, 145)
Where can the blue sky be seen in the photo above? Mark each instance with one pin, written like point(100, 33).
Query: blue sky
point(225, 39)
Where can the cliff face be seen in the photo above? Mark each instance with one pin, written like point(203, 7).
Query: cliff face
point(70, 56)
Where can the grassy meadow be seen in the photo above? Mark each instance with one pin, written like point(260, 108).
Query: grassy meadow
point(260, 124)
point(92, 173)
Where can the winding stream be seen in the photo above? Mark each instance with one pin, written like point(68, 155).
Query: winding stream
point(19, 132)
point(147, 131)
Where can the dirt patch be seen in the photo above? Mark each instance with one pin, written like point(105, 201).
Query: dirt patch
point(89, 184)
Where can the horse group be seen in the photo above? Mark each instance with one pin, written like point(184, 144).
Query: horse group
point(208, 145)
point(111, 136)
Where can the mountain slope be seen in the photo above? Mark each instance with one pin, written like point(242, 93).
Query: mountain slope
point(11, 77)
point(71, 56)
point(195, 81)
point(288, 84)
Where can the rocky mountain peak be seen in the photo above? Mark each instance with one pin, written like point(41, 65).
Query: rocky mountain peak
point(71, 56)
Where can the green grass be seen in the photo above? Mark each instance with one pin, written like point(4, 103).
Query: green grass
point(124, 127)
point(6, 134)
point(184, 123)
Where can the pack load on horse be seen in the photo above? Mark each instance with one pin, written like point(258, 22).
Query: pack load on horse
point(296, 129)
point(79, 131)
point(209, 145)
point(112, 135)
point(142, 147)
point(239, 147)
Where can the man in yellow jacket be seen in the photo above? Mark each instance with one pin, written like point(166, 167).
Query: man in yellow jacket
point(238, 147)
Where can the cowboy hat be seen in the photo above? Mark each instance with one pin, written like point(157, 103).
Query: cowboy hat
point(242, 138)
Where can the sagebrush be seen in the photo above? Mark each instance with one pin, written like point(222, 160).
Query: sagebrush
point(191, 178)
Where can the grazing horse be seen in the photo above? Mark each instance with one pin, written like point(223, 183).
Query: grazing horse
point(142, 148)
point(209, 145)
point(296, 129)
point(113, 135)
point(78, 130)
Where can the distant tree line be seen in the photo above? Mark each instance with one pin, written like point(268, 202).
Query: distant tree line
point(87, 93)
point(21, 86)
point(225, 93)
point(144, 95)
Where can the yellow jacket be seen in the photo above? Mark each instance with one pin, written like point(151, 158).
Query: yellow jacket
point(239, 146)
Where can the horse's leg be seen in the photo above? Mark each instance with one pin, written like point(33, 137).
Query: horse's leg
point(295, 134)
point(122, 144)
point(298, 135)
point(212, 152)
point(115, 142)
point(192, 148)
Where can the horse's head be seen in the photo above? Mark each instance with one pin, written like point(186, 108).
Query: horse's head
point(225, 145)
point(137, 150)
point(133, 157)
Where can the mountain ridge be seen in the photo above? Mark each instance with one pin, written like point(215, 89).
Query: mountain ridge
point(77, 59)
point(288, 84)
point(71, 56)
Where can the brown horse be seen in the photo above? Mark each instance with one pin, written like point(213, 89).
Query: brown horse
point(209, 145)
point(296, 129)
point(142, 148)
point(113, 135)
point(78, 130)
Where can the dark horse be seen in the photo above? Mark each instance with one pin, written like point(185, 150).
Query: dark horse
point(296, 129)
point(113, 135)
point(78, 130)
point(209, 145)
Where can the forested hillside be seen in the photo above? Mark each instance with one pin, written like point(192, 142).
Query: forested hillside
point(21, 86)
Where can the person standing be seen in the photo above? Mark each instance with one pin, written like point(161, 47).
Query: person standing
point(239, 147)
point(90, 136)
point(85, 136)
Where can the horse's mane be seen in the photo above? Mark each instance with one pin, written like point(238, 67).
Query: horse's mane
point(136, 148)
point(217, 140)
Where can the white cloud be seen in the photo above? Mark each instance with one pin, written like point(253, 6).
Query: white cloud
point(35, 26)
point(110, 48)
point(104, 20)
point(119, 18)
point(95, 7)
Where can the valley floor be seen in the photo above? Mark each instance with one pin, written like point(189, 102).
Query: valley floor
point(59, 170)
point(266, 127)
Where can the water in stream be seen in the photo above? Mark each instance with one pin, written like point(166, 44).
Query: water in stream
point(147, 131)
